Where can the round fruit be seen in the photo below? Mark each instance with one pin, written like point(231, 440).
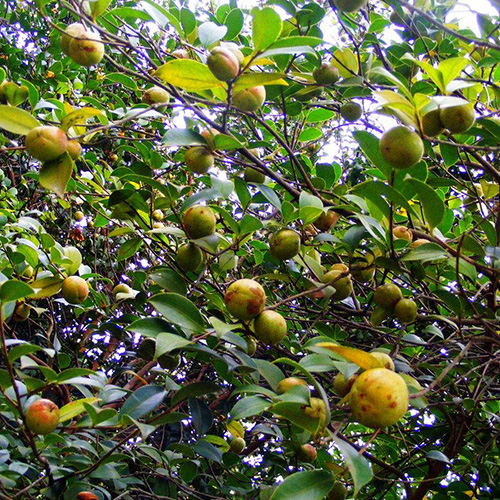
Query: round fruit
point(42, 416)
point(158, 215)
point(307, 453)
point(121, 288)
point(199, 221)
point(251, 346)
point(180, 54)
point(378, 398)
point(239, 55)
point(384, 358)
point(341, 386)
point(237, 445)
point(284, 244)
point(316, 410)
point(209, 136)
point(223, 64)
point(252, 175)
point(74, 149)
point(349, 5)
point(338, 492)
point(86, 49)
point(458, 119)
point(420, 241)
point(362, 271)
point(250, 99)
point(351, 112)
point(406, 311)
point(46, 143)
point(326, 220)
point(78, 216)
point(199, 159)
point(287, 383)
point(245, 299)
point(431, 123)
point(72, 31)
point(403, 233)
point(401, 147)
point(75, 290)
point(155, 95)
point(387, 296)
point(189, 257)
point(327, 74)
point(270, 327)
point(21, 312)
point(339, 267)
point(28, 272)
point(343, 286)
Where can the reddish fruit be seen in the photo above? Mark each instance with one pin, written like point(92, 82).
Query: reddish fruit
point(46, 143)
point(420, 241)
point(285, 244)
point(307, 453)
point(180, 54)
point(86, 495)
point(86, 49)
point(42, 416)
point(209, 136)
point(75, 290)
point(287, 383)
point(223, 64)
point(250, 99)
point(74, 149)
point(199, 159)
point(326, 220)
point(245, 299)
point(327, 74)
point(387, 296)
point(155, 95)
point(199, 221)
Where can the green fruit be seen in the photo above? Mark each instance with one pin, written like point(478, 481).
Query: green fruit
point(250, 99)
point(401, 147)
point(72, 31)
point(251, 346)
point(341, 386)
point(351, 111)
point(431, 123)
point(223, 64)
point(338, 492)
point(349, 5)
point(270, 327)
point(121, 288)
point(307, 453)
point(285, 244)
point(46, 143)
point(387, 296)
point(42, 417)
point(378, 398)
point(75, 290)
point(237, 445)
point(199, 221)
point(28, 272)
point(287, 383)
point(458, 119)
point(406, 311)
point(74, 149)
point(21, 312)
point(239, 55)
point(326, 220)
point(327, 74)
point(343, 286)
point(86, 49)
point(155, 95)
point(252, 175)
point(384, 359)
point(199, 159)
point(189, 257)
point(362, 271)
point(245, 299)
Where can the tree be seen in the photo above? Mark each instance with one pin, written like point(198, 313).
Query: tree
point(141, 190)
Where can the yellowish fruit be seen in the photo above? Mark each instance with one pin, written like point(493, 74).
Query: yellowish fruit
point(254, 176)
point(75, 290)
point(270, 327)
point(307, 453)
point(86, 49)
point(42, 416)
point(403, 233)
point(326, 220)
point(387, 296)
point(189, 257)
point(401, 147)
point(285, 244)
point(237, 445)
point(326, 74)
point(21, 312)
point(74, 149)
point(419, 242)
point(406, 311)
point(316, 410)
point(78, 216)
point(362, 271)
point(349, 5)
point(343, 286)
point(458, 119)
point(72, 31)
point(121, 288)
point(431, 123)
point(199, 159)
point(250, 99)
point(46, 143)
point(378, 398)
point(384, 358)
point(223, 64)
point(351, 112)
point(245, 299)
point(158, 215)
point(287, 383)
point(155, 95)
point(199, 221)
point(341, 386)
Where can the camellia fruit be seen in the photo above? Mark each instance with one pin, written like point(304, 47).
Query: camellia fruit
point(252, 175)
point(42, 416)
point(46, 143)
point(189, 257)
point(287, 383)
point(458, 119)
point(250, 99)
point(180, 54)
point(245, 299)
point(74, 149)
point(326, 74)
point(326, 220)
point(223, 64)
point(378, 398)
point(351, 111)
point(121, 288)
point(406, 311)
point(71, 32)
point(384, 358)
point(78, 216)
point(387, 296)
point(349, 5)
point(158, 215)
point(21, 312)
point(75, 290)
point(338, 492)
point(270, 327)
point(237, 445)
point(362, 271)
point(341, 386)
point(431, 123)
point(419, 242)
point(316, 410)
point(343, 286)
point(155, 95)
point(285, 244)
point(401, 147)
point(199, 159)
point(209, 136)
point(403, 233)
point(86, 49)
point(307, 453)
point(199, 221)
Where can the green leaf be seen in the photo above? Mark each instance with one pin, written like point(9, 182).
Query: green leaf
point(431, 202)
point(188, 75)
point(14, 290)
point(46, 287)
point(266, 27)
point(17, 121)
point(178, 310)
point(129, 249)
point(183, 137)
point(168, 342)
point(427, 252)
point(195, 389)
point(55, 175)
point(169, 280)
point(97, 7)
point(248, 80)
point(143, 401)
point(22, 349)
point(305, 485)
point(249, 406)
point(370, 146)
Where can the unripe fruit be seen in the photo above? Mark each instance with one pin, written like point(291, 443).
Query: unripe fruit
point(326, 220)
point(46, 143)
point(339, 267)
point(251, 346)
point(270, 327)
point(155, 95)
point(180, 54)
point(75, 290)
point(223, 64)
point(287, 383)
point(316, 410)
point(250, 99)
point(237, 445)
point(343, 286)
point(349, 5)
point(74, 149)
point(199, 221)
point(72, 31)
point(338, 492)
point(431, 123)
point(406, 311)
point(239, 55)
point(42, 416)
point(78, 216)
point(401, 147)
point(362, 271)
point(403, 233)
point(284, 244)
point(351, 111)
point(245, 299)
point(121, 288)
point(21, 312)
point(252, 175)
point(419, 242)
point(209, 136)
point(189, 257)
point(28, 272)
point(341, 386)
point(158, 215)
point(327, 74)
point(86, 49)
point(199, 159)
point(378, 398)
point(458, 119)
point(307, 453)
point(384, 358)
point(387, 296)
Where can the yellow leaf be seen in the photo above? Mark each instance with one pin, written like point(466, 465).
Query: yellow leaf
point(235, 428)
point(363, 359)
point(46, 287)
point(55, 175)
point(79, 117)
point(346, 62)
point(75, 408)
